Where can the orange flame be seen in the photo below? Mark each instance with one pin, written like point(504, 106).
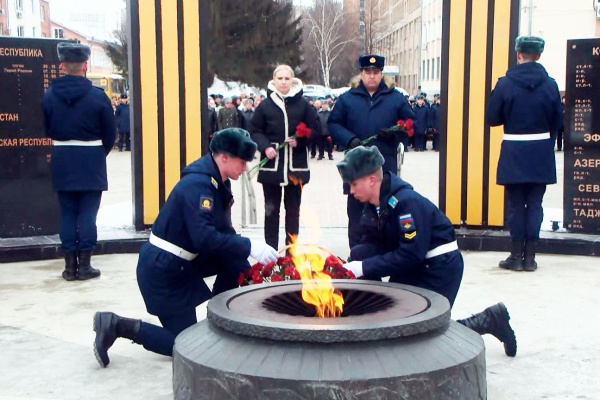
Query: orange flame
point(317, 288)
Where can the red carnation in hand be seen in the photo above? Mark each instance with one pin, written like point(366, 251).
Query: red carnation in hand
point(303, 131)
point(276, 278)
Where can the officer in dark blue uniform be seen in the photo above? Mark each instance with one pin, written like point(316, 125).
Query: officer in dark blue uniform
point(407, 238)
point(123, 124)
point(527, 102)
point(79, 118)
point(192, 238)
point(421, 110)
point(363, 111)
point(434, 116)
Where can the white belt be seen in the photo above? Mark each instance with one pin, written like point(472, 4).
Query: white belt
point(526, 136)
point(77, 142)
point(171, 248)
point(443, 249)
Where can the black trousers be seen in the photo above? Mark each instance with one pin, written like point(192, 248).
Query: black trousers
point(78, 212)
point(324, 145)
point(525, 213)
point(292, 196)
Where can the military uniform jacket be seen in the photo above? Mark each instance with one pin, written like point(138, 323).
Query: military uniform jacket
point(526, 101)
point(276, 119)
point(122, 116)
point(408, 226)
point(73, 109)
point(358, 114)
point(434, 117)
point(422, 120)
point(197, 218)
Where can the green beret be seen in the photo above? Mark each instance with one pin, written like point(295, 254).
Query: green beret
point(360, 161)
point(73, 52)
point(234, 142)
point(529, 45)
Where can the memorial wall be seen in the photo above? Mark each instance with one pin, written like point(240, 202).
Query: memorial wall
point(582, 137)
point(28, 206)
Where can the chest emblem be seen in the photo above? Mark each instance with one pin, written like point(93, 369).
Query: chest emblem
point(206, 203)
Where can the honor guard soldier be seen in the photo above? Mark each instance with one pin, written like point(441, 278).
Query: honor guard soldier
point(370, 106)
point(527, 102)
point(407, 238)
point(79, 118)
point(192, 238)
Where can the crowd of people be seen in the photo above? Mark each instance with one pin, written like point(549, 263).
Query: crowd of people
point(392, 230)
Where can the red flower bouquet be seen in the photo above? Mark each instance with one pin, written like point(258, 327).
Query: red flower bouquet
point(302, 131)
point(402, 127)
point(285, 270)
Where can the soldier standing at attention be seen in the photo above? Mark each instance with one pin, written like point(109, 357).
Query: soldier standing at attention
point(363, 111)
point(79, 119)
point(527, 102)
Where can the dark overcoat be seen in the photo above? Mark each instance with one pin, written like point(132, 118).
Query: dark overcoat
point(358, 114)
point(73, 109)
point(526, 101)
point(197, 218)
point(276, 119)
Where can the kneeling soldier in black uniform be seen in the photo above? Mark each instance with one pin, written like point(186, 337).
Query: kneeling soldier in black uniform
point(192, 238)
point(407, 238)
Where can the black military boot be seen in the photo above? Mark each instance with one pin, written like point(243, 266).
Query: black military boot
point(70, 272)
point(494, 320)
point(514, 262)
point(86, 271)
point(108, 327)
point(529, 263)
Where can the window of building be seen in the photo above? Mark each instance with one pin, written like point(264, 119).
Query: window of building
point(59, 33)
point(1, 29)
point(33, 32)
point(19, 5)
point(42, 13)
point(439, 68)
point(33, 6)
point(427, 74)
point(423, 71)
point(20, 31)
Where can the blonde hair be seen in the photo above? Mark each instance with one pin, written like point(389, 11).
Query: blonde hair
point(283, 67)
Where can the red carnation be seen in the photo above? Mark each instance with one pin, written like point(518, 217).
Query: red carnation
point(256, 278)
point(350, 275)
point(267, 270)
point(241, 279)
point(276, 278)
point(302, 131)
point(289, 271)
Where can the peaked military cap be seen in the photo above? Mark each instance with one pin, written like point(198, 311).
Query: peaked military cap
point(123, 95)
point(234, 142)
point(360, 161)
point(530, 44)
point(371, 61)
point(73, 52)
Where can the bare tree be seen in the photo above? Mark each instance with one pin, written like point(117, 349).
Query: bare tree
point(373, 26)
point(326, 21)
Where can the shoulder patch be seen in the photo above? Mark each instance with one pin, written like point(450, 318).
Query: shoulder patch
point(410, 235)
point(407, 224)
point(214, 182)
point(206, 203)
point(393, 202)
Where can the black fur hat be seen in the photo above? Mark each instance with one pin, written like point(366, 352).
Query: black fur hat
point(360, 161)
point(73, 52)
point(234, 142)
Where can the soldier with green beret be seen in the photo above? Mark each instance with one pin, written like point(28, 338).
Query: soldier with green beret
point(406, 237)
point(527, 103)
point(192, 238)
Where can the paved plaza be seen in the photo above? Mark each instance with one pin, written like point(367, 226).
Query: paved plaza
point(46, 323)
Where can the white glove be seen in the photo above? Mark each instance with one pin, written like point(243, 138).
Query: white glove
point(262, 252)
point(355, 267)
